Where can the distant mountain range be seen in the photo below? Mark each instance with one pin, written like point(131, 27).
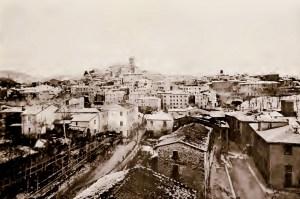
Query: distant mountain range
point(17, 76)
point(26, 78)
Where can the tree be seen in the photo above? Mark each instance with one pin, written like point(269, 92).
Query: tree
point(7, 82)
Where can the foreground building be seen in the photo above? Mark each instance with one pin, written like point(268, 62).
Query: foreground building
point(137, 183)
point(273, 141)
point(121, 118)
point(277, 155)
point(185, 156)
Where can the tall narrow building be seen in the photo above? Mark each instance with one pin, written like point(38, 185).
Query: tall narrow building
point(132, 64)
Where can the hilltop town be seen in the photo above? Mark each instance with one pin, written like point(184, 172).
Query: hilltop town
point(124, 132)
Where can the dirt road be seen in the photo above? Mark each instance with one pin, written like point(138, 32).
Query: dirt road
point(244, 183)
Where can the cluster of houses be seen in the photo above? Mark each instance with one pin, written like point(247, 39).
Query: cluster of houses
point(37, 120)
point(185, 117)
point(128, 84)
point(272, 139)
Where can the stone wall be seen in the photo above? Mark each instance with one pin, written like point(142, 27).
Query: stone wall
point(189, 168)
point(278, 161)
point(261, 155)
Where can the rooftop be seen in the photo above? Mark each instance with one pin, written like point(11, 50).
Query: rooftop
point(285, 134)
point(83, 117)
point(195, 135)
point(149, 97)
point(12, 110)
point(33, 110)
point(116, 106)
point(138, 182)
point(16, 152)
point(265, 116)
point(182, 109)
point(258, 82)
point(81, 110)
point(159, 116)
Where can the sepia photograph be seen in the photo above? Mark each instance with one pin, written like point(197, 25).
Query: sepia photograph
point(149, 99)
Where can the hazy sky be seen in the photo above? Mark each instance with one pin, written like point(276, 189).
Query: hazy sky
point(188, 37)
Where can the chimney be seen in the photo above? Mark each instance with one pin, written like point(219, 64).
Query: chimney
point(259, 126)
point(295, 128)
point(287, 108)
point(154, 163)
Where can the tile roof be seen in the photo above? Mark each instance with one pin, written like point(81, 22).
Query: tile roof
point(159, 116)
point(285, 134)
point(83, 117)
point(12, 110)
point(195, 135)
point(138, 182)
point(81, 110)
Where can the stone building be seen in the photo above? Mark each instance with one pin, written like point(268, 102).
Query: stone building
point(185, 155)
point(273, 143)
point(138, 182)
point(239, 121)
point(277, 155)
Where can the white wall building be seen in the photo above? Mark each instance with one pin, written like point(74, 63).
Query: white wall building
point(41, 91)
point(256, 88)
point(114, 97)
point(151, 102)
point(36, 119)
point(194, 89)
point(134, 96)
point(81, 90)
point(159, 123)
point(75, 103)
point(131, 77)
point(86, 123)
point(162, 86)
point(174, 99)
point(121, 119)
point(206, 99)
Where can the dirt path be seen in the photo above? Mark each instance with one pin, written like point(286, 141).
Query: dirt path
point(120, 155)
point(244, 183)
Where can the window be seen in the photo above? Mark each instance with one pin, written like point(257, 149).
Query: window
point(165, 124)
point(288, 149)
point(152, 122)
point(288, 168)
point(121, 113)
point(94, 121)
point(175, 155)
point(76, 123)
point(121, 123)
point(29, 129)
